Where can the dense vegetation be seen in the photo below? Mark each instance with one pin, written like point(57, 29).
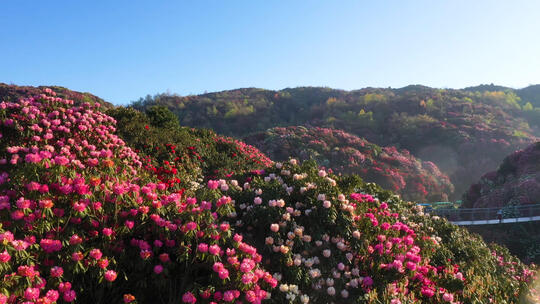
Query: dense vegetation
point(343, 152)
point(516, 182)
point(13, 93)
point(86, 218)
point(464, 132)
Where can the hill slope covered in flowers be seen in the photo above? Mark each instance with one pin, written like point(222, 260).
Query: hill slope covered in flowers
point(345, 153)
point(465, 133)
point(516, 182)
point(13, 93)
point(87, 219)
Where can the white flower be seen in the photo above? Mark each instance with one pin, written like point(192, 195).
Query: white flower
point(344, 293)
point(257, 200)
point(341, 197)
point(258, 191)
point(304, 299)
point(315, 273)
point(283, 288)
point(326, 253)
point(331, 291)
point(279, 165)
point(356, 234)
point(321, 197)
point(293, 162)
point(330, 282)
point(322, 173)
point(269, 240)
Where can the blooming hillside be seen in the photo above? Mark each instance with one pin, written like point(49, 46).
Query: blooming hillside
point(81, 221)
point(86, 219)
point(13, 93)
point(343, 152)
point(516, 182)
point(464, 133)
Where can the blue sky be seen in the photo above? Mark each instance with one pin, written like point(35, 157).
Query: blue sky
point(122, 50)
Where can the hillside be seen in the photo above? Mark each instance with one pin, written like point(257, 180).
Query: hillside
point(464, 133)
point(516, 182)
point(13, 93)
point(87, 219)
point(343, 152)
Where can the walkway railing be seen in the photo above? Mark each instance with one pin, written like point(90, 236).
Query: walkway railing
point(489, 216)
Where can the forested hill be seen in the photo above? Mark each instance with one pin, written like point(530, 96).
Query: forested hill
point(465, 132)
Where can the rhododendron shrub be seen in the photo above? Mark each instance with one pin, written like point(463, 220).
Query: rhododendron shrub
point(334, 239)
point(180, 156)
point(396, 170)
point(81, 220)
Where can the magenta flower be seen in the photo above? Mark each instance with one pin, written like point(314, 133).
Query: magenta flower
point(110, 275)
point(69, 296)
point(158, 269)
point(5, 257)
point(31, 293)
point(188, 297)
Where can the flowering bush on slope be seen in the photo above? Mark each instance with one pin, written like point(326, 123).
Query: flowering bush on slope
point(184, 156)
point(326, 242)
point(517, 181)
point(13, 93)
point(396, 170)
point(81, 221)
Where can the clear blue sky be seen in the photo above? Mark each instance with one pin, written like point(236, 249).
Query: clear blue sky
point(122, 50)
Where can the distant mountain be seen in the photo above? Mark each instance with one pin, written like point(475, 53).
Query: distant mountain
point(464, 132)
point(487, 88)
point(530, 94)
